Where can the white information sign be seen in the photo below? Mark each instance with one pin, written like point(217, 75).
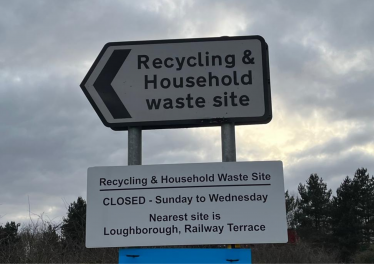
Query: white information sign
point(185, 204)
point(181, 83)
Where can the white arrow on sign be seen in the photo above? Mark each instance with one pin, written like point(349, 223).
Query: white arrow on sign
point(181, 83)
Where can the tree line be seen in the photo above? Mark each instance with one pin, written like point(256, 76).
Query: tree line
point(337, 227)
point(344, 221)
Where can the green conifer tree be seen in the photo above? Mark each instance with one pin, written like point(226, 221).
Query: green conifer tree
point(345, 221)
point(74, 225)
point(364, 189)
point(353, 214)
point(9, 233)
point(313, 210)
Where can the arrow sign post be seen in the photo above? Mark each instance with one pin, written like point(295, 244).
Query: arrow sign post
point(181, 83)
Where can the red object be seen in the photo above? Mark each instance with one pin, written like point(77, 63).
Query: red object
point(292, 236)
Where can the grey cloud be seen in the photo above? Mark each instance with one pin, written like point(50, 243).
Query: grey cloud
point(339, 98)
point(361, 137)
point(54, 33)
point(180, 146)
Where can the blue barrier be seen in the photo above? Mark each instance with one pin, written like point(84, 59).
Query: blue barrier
point(185, 255)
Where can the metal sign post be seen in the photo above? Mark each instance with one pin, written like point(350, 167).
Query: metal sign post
point(134, 149)
point(228, 142)
point(228, 149)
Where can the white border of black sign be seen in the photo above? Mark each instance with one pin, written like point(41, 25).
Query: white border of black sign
point(266, 118)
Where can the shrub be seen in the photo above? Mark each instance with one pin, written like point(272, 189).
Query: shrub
point(292, 253)
point(366, 256)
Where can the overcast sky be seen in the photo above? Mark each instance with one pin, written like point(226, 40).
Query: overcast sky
point(322, 75)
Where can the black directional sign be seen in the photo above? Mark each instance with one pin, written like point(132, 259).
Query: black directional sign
point(181, 83)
